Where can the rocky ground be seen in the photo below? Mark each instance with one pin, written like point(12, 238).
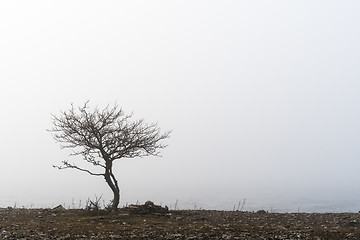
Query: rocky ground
point(152, 222)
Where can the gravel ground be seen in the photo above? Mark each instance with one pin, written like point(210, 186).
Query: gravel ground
point(189, 224)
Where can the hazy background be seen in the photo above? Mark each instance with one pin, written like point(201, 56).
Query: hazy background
point(262, 98)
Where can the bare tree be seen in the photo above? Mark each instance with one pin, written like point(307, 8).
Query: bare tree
point(102, 136)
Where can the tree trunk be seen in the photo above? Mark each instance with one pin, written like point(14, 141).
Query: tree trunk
point(116, 200)
point(112, 182)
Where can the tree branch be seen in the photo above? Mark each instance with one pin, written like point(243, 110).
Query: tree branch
point(69, 165)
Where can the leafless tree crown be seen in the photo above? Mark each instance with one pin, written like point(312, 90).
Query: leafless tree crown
point(102, 136)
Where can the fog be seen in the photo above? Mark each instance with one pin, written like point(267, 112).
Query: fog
point(262, 98)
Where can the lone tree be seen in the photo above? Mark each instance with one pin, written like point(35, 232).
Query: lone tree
point(102, 136)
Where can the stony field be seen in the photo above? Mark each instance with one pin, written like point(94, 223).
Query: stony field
point(137, 223)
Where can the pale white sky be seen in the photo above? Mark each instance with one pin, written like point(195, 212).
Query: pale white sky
point(262, 96)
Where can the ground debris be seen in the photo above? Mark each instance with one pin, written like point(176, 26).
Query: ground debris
point(148, 208)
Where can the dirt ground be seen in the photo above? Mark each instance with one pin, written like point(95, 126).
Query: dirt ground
point(184, 224)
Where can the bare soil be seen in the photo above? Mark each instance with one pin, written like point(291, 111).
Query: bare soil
point(188, 224)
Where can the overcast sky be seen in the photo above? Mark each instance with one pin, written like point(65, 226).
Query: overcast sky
point(262, 97)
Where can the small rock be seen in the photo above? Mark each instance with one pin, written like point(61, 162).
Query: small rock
point(149, 204)
point(59, 208)
point(261, 211)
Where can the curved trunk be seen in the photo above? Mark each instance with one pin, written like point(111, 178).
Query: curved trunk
point(112, 182)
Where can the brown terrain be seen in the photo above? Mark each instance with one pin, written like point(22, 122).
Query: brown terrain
point(154, 222)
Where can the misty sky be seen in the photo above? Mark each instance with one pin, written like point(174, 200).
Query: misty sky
point(262, 97)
